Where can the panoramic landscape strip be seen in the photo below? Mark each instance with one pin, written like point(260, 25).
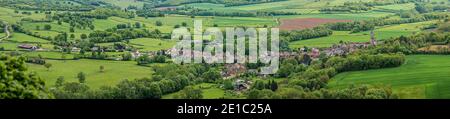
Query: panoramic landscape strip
point(224, 49)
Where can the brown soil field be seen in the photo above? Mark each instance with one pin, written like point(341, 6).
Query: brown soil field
point(304, 23)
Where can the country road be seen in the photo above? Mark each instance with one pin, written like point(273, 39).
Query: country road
point(6, 31)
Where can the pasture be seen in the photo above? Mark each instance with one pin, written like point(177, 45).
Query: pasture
point(397, 7)
point(38, 27)
point(300, 24)
point(148, 44)
point(24, 38)
point(8, 15)
point(114, 71)
point(126, 3)
point(423, 76)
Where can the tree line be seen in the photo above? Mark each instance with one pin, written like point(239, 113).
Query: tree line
point(365, 25)
point(309, 33)
point(166, 79)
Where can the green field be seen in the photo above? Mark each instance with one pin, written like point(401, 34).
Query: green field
point(49, 55)
point(213, 7)
point(20, 37)
point(56, 29)
point(148, 44)
point(209, 90)
point(273, 5)
point(114, 72)
point(8, 15)
point(9, 45)
point(126, 3)
point(170, 21)
point(381, 33)
point(423, 76)
point(345, 16)
point(397, 7)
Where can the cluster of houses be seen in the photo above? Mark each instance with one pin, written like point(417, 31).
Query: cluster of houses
point(346, 48)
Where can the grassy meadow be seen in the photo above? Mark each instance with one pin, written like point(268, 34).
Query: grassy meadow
point(147, 44)
point(114, 71)
point(423, 76)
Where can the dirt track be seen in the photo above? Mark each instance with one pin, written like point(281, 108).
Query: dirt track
point(6, 31)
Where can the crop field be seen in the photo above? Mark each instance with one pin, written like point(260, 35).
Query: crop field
point(20, 37)
point(299, 24)
point(213, 7)
point(423, 76)
point(434, 48)
point(126, 3)
point(397, 7)
point(146, 44)
point(170, 21)
point(380, 33)
point(49, 55)
point(114, 71)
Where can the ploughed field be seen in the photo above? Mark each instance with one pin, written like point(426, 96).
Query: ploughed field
point(304, 23)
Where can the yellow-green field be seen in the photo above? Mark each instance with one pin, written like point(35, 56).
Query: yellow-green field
point(423, 76)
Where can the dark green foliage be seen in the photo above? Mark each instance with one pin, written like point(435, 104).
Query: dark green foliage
point(145, 59)
point(190, 93)
point(17, 83)
point(365, 62)
point(228, 85)
point(211, 76)
point(306, 34)
point(81, 77)
point(360, 92)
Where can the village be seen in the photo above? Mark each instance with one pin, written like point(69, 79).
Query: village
point(236, 70)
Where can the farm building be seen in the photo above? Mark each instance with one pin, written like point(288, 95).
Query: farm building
point(28, 46)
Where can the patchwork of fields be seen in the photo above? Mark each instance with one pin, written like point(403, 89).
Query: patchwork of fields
point(423, 76)
point(381, 33)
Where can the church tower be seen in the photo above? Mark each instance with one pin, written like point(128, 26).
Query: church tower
point(373, 41)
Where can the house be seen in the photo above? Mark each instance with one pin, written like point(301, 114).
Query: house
point(346, 48)
point(240, 85)
point(95, 48)
point(315, 53)
point(135, 54)
point(28, 46)
point(75, 49)
point(233, 70)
